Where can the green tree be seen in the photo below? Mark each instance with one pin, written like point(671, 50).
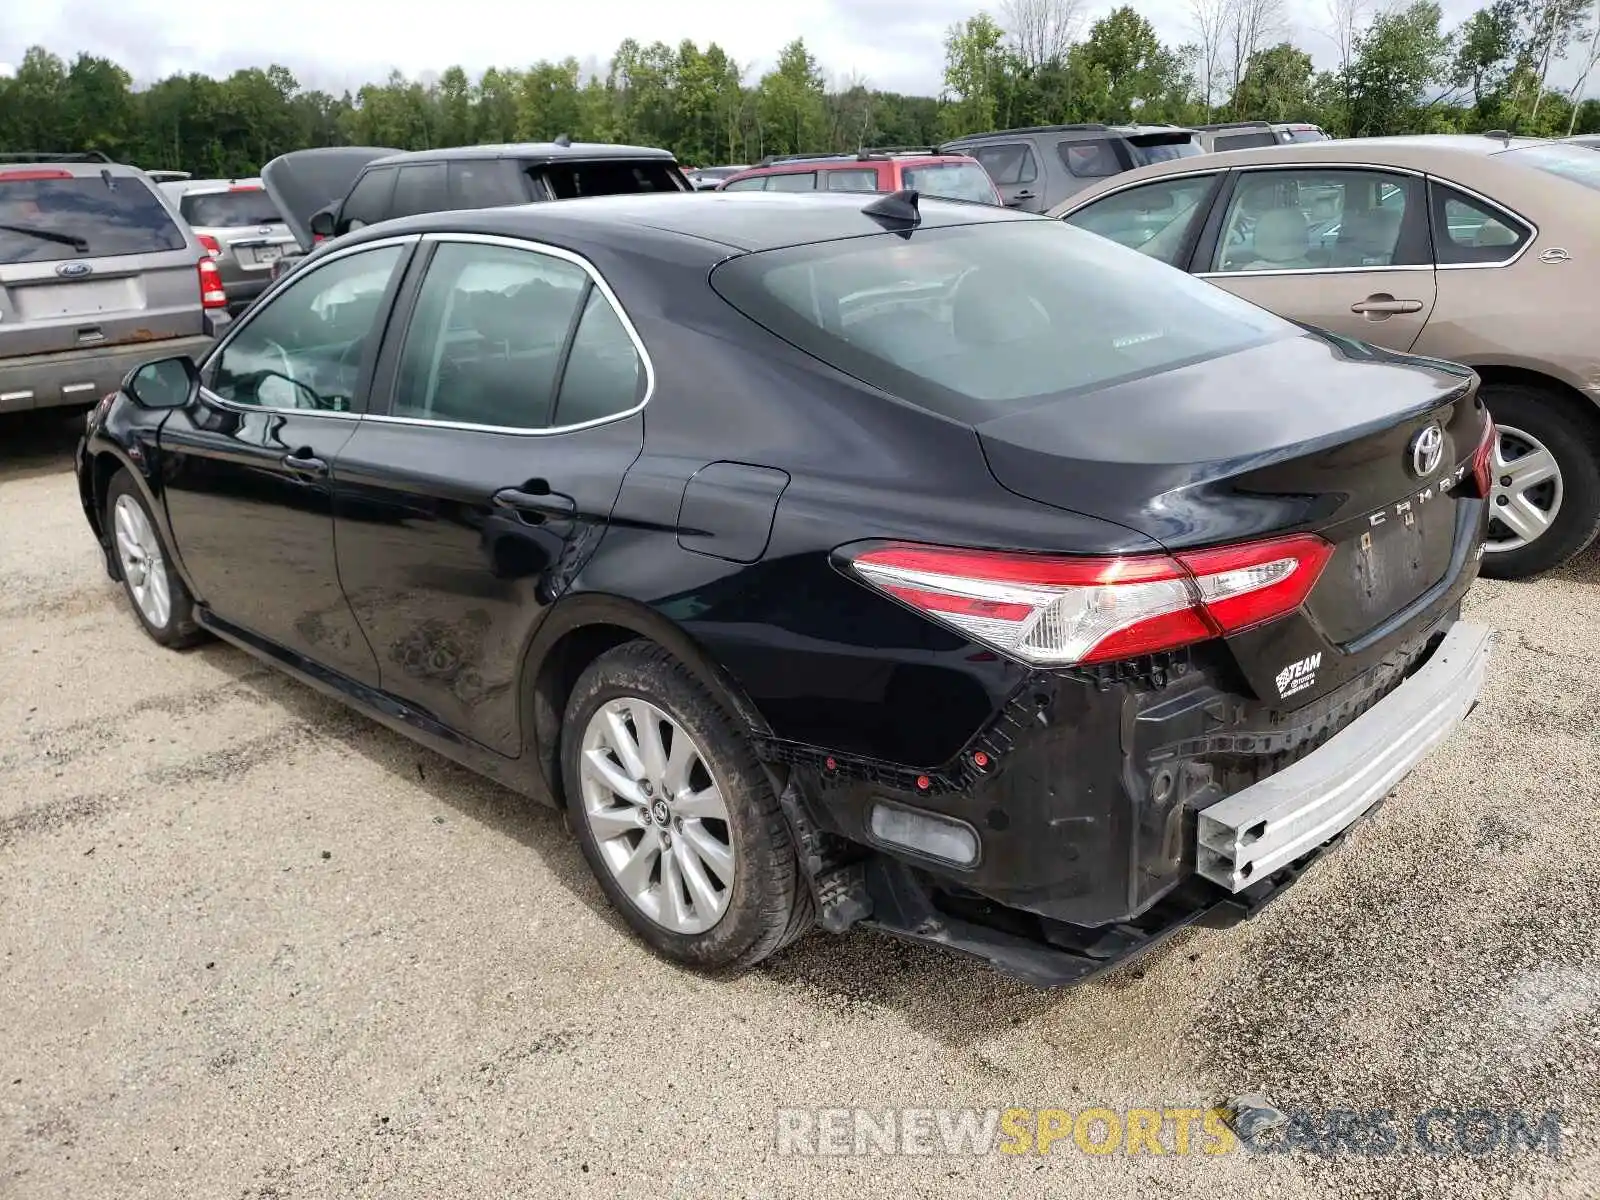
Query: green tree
point(1400, 56)
point(977, 68)
point(789, 104)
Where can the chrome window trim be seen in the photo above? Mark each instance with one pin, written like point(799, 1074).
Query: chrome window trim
point(485, 239)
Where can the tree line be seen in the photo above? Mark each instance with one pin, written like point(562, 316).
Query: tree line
point(1394, 70)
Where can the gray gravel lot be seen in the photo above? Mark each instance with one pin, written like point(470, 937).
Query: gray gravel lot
point(254, 946)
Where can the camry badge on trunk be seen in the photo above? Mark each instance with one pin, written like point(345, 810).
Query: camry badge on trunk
point(1427, 448)
point(73, 270)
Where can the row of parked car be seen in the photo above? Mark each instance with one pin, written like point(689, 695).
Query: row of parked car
point(1383, 240)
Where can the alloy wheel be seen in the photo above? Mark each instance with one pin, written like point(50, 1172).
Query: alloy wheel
point(143, 567)
point(1526, 495)
point(658, 815)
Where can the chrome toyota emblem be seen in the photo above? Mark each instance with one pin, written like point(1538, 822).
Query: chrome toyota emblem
point(1427, 448)
point(73, 270)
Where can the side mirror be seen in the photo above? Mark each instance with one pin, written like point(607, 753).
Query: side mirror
point(322, 222)
point(165, 383)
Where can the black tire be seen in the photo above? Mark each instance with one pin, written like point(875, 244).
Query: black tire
point(1576, 448)
point(179, 630)
point(771, 903)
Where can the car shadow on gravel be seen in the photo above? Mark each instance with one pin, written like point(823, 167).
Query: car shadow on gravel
point(37, 443)
point(853, 973)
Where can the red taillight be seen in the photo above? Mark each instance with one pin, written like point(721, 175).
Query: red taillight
point(1483, 457)
point(245, 187)
point(210, 245)
point(32, 175)
point(212, 294)
point(1053, 611)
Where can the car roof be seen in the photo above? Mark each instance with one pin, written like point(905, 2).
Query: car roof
point(738, 221)
point(528, 151)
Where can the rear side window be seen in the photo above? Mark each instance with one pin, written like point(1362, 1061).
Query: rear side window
point(1245, 141)
point(48, 215)
point(420, 189)
point(852, 180)
point(229, 210)
point(486, 183)
point(610, 177)
point(976, 320)
point(1094, 158)
point(1008, 163)
point(1469, 231)
point(954, 181)
point(603, 375)
point(368, 201)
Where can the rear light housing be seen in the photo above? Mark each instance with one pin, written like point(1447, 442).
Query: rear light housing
point(212, 293)
point(210, 244)
point(1483, 457)
point(1052, 611)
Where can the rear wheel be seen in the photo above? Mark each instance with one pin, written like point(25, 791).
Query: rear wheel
point(675, 815)
point(160, 601)
point(1544, 505)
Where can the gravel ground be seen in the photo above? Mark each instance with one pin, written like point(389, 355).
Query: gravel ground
point(254, 946)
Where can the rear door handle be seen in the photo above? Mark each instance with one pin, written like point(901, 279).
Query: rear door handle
point(303, 462)
point(544, 504)
point(1385, 304)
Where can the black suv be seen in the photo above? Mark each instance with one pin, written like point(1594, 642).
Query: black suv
point(327, 192)
point(1039, 166)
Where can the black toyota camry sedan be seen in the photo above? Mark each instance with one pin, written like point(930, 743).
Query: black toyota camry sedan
point(838, 560)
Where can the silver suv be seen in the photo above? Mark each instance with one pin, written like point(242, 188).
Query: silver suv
point(98, 275)
point(240, 227)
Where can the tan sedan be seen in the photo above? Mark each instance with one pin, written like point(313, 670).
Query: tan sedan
point(1482, 250)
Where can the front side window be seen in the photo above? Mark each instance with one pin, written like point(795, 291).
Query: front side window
point(305, 348)
point(1469, 231)
point(978, 320)
point(1306, 220)
point(1154, 219)
point(513, 339)
point(49, 215)
point(1008, 164)
point(368, 202)
point(420, 189)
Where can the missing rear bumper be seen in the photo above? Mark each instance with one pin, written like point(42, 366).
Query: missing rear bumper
point(1269, 825)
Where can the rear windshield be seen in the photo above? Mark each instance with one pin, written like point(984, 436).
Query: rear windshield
point(975, 321)
point(1575, 163)
point(229, 210)
point(954, 181)
point(1307, 135)
point(1167, 151)
point(611, 177)
point(45, 219)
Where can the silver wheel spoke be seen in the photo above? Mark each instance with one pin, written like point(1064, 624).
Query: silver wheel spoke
point(707, 803)
point(622, 742)
point(1527, 490)
point(620, 784)
point(139, 552)
point(705, 896)
point(637, 770)
point(1532, 469)
point(614, 822)
point(1522, 518)
point(634, 874)
point(714, 854)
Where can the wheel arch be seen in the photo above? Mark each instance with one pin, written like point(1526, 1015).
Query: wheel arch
point(1572, 400)
point(577, 631)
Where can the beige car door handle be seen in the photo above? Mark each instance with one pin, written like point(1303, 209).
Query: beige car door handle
point(1385, 304)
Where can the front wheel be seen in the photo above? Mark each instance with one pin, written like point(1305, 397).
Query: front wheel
point(1544, 504)
point(676, 817)
point(160, 601)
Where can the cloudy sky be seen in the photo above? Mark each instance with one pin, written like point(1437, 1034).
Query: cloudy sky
point(892, 43)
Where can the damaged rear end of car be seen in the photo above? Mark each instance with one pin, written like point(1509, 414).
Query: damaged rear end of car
point(1191, 722)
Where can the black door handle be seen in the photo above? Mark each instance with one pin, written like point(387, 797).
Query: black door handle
point(545, 504)
point(303, 462)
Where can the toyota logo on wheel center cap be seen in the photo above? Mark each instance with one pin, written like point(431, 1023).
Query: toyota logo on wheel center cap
point(1427, 448)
